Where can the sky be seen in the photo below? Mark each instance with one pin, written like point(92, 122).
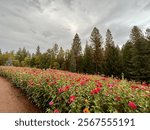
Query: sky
point(29, 23)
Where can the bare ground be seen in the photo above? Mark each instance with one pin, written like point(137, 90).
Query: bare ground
point(12, 100)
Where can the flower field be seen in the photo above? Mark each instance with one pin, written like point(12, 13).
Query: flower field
point(62, 91)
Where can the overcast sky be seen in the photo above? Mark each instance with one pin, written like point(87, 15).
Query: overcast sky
point(28, 23)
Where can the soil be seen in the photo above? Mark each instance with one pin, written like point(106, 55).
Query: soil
point(13, 100)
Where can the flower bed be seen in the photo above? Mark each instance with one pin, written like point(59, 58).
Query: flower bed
point(62, 91)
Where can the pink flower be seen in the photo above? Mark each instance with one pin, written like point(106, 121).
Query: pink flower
point(51, 103)
point(110, 85)
point(60, 90)
point(132, 105)
point(56, 111)
point(72, 98)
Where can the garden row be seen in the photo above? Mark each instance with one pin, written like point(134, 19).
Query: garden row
point(62, 91)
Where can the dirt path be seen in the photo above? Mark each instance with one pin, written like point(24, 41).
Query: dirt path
point(12, 99)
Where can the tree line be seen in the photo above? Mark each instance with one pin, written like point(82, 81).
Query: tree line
point(98, 56)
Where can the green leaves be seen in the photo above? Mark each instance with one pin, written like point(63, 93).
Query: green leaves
point(60, 91)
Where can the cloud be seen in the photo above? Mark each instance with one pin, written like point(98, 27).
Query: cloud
point(28, 23)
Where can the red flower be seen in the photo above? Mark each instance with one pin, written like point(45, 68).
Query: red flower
point(95, 91)
point(72, 98)
point(98, 84)
point(66, 88)
point(82, 83)
point(132, 105)
point(56, 111)
point(63, 89)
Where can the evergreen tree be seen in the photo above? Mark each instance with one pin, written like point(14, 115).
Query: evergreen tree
point(88, 58)
point(96, 40)
point(147, 54)
point(127, 54)
point(38, 52)
point(112, 65)
point(51, 57)
point(67, 57)
point(56, 49)
point(60, 57)
point(72, 66)
point(140, 61)
point(140, 58)
point(33, 60)
point(76, 49)
point(136, 34)
point(76, 46)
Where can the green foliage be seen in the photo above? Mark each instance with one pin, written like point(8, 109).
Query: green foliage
point(61, 57)
point(21, 55)
point(112, 64)
point(72, 66)
point(136, 34)
point(96, 40)
point(38, 52)
point(140, 61)
point(127, 54)
point(88, 59)
point(133, 59)
point(76, 60)
point(16, 63)
point(64, 91)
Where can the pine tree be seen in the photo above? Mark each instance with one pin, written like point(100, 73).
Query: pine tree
point(96, 40)
point(88, 64)
point(136, 34)
point(51, 57)
point(56, 48)
point(72, 66)
point(76, 49)
point(127, 54)
point(67, 57)
point(112, 65)
point(38, 52)
point(140, 58)
point(60, 57)
point(147, 50)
